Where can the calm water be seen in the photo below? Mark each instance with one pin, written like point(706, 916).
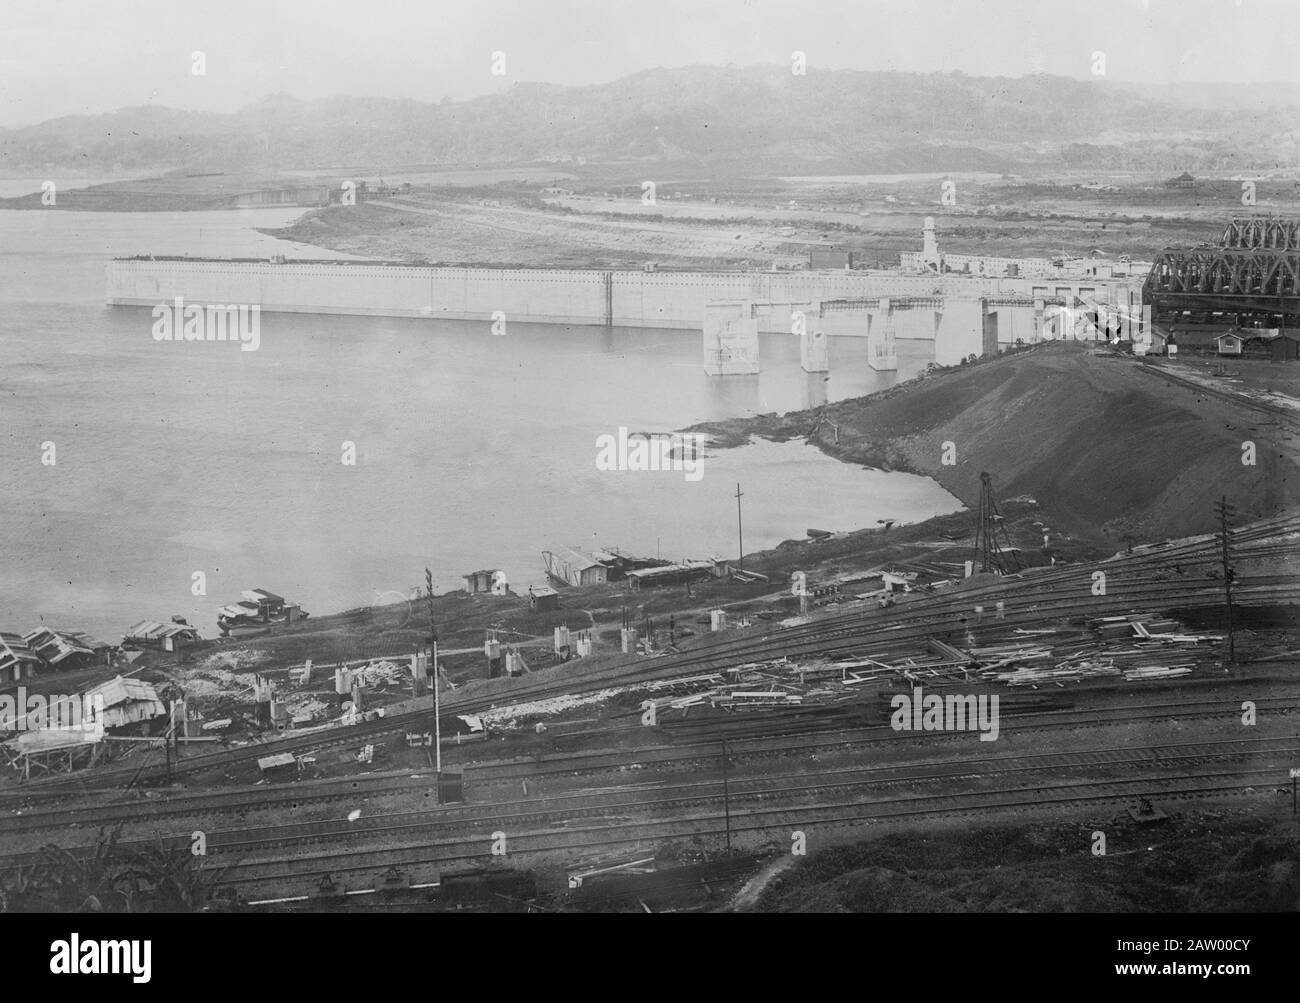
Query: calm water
point(473, 451)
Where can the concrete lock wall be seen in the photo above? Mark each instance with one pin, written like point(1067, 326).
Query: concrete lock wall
point(674, 300)
point(541, 295)
point(571, 296)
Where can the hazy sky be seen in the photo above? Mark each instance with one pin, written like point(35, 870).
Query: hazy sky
point(60, 57)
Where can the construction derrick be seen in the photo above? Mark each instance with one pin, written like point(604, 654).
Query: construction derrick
point(992, 554)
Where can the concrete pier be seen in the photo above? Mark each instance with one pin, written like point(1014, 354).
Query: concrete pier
point(962, 331)
point(814, 353)
point(882, 347)
point(730, 339)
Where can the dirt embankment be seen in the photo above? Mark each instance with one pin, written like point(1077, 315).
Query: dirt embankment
point(1102, 444)
point(1204, 861)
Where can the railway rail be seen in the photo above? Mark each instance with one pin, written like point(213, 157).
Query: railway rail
point(749, 741)
point(1047, 595)
point(773, 821)
point(1287, 414)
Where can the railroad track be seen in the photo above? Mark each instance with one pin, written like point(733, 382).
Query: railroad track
point(563, 810)
point(777, 822)
point(1244, 400)
point(757, 741)
point(1049, 595)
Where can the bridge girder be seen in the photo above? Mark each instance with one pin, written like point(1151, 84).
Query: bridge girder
point(1228, 280)
point(1262, 233)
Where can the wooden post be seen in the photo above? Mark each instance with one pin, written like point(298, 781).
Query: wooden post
point(740, 528)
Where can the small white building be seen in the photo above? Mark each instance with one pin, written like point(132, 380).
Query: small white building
point(1229, 343)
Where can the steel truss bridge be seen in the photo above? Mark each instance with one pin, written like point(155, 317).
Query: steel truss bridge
point(1254, 277)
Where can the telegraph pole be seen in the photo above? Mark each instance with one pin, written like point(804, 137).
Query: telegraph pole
point(1225, 512)
point(740, 528)
point(437, 717)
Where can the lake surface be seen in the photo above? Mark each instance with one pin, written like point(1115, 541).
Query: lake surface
point(472, 451)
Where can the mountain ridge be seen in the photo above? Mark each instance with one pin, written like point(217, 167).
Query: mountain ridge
point(761, 118)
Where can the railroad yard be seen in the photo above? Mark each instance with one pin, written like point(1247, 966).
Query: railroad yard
point(685, 778)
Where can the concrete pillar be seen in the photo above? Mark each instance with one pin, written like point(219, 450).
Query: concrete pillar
point(815, 392)
point(990, 329)
point(718, 619)
point(1039, 308)
point(730, 339)
point(961, 330)
point(814, 355)
point(882, 347)
point(628, 639)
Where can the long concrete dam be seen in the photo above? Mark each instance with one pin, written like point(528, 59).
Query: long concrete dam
point(663, 299)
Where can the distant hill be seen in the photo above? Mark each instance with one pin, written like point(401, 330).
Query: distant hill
point(755, 119)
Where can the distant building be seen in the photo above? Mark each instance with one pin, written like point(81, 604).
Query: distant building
point(479, 581)
point(572, 567)
point(1229, 343)
point(1285, 347)
point(1156, 342)
point(67, 649)
point(670, 574)
point(17, 660)
point(1183, 180)
point(829, 257)
point(541, 597)
point(160, 636)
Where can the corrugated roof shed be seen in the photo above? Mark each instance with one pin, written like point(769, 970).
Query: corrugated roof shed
point(55, 646)
point(152, 630)
point(126, 701)
point(15, 652)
